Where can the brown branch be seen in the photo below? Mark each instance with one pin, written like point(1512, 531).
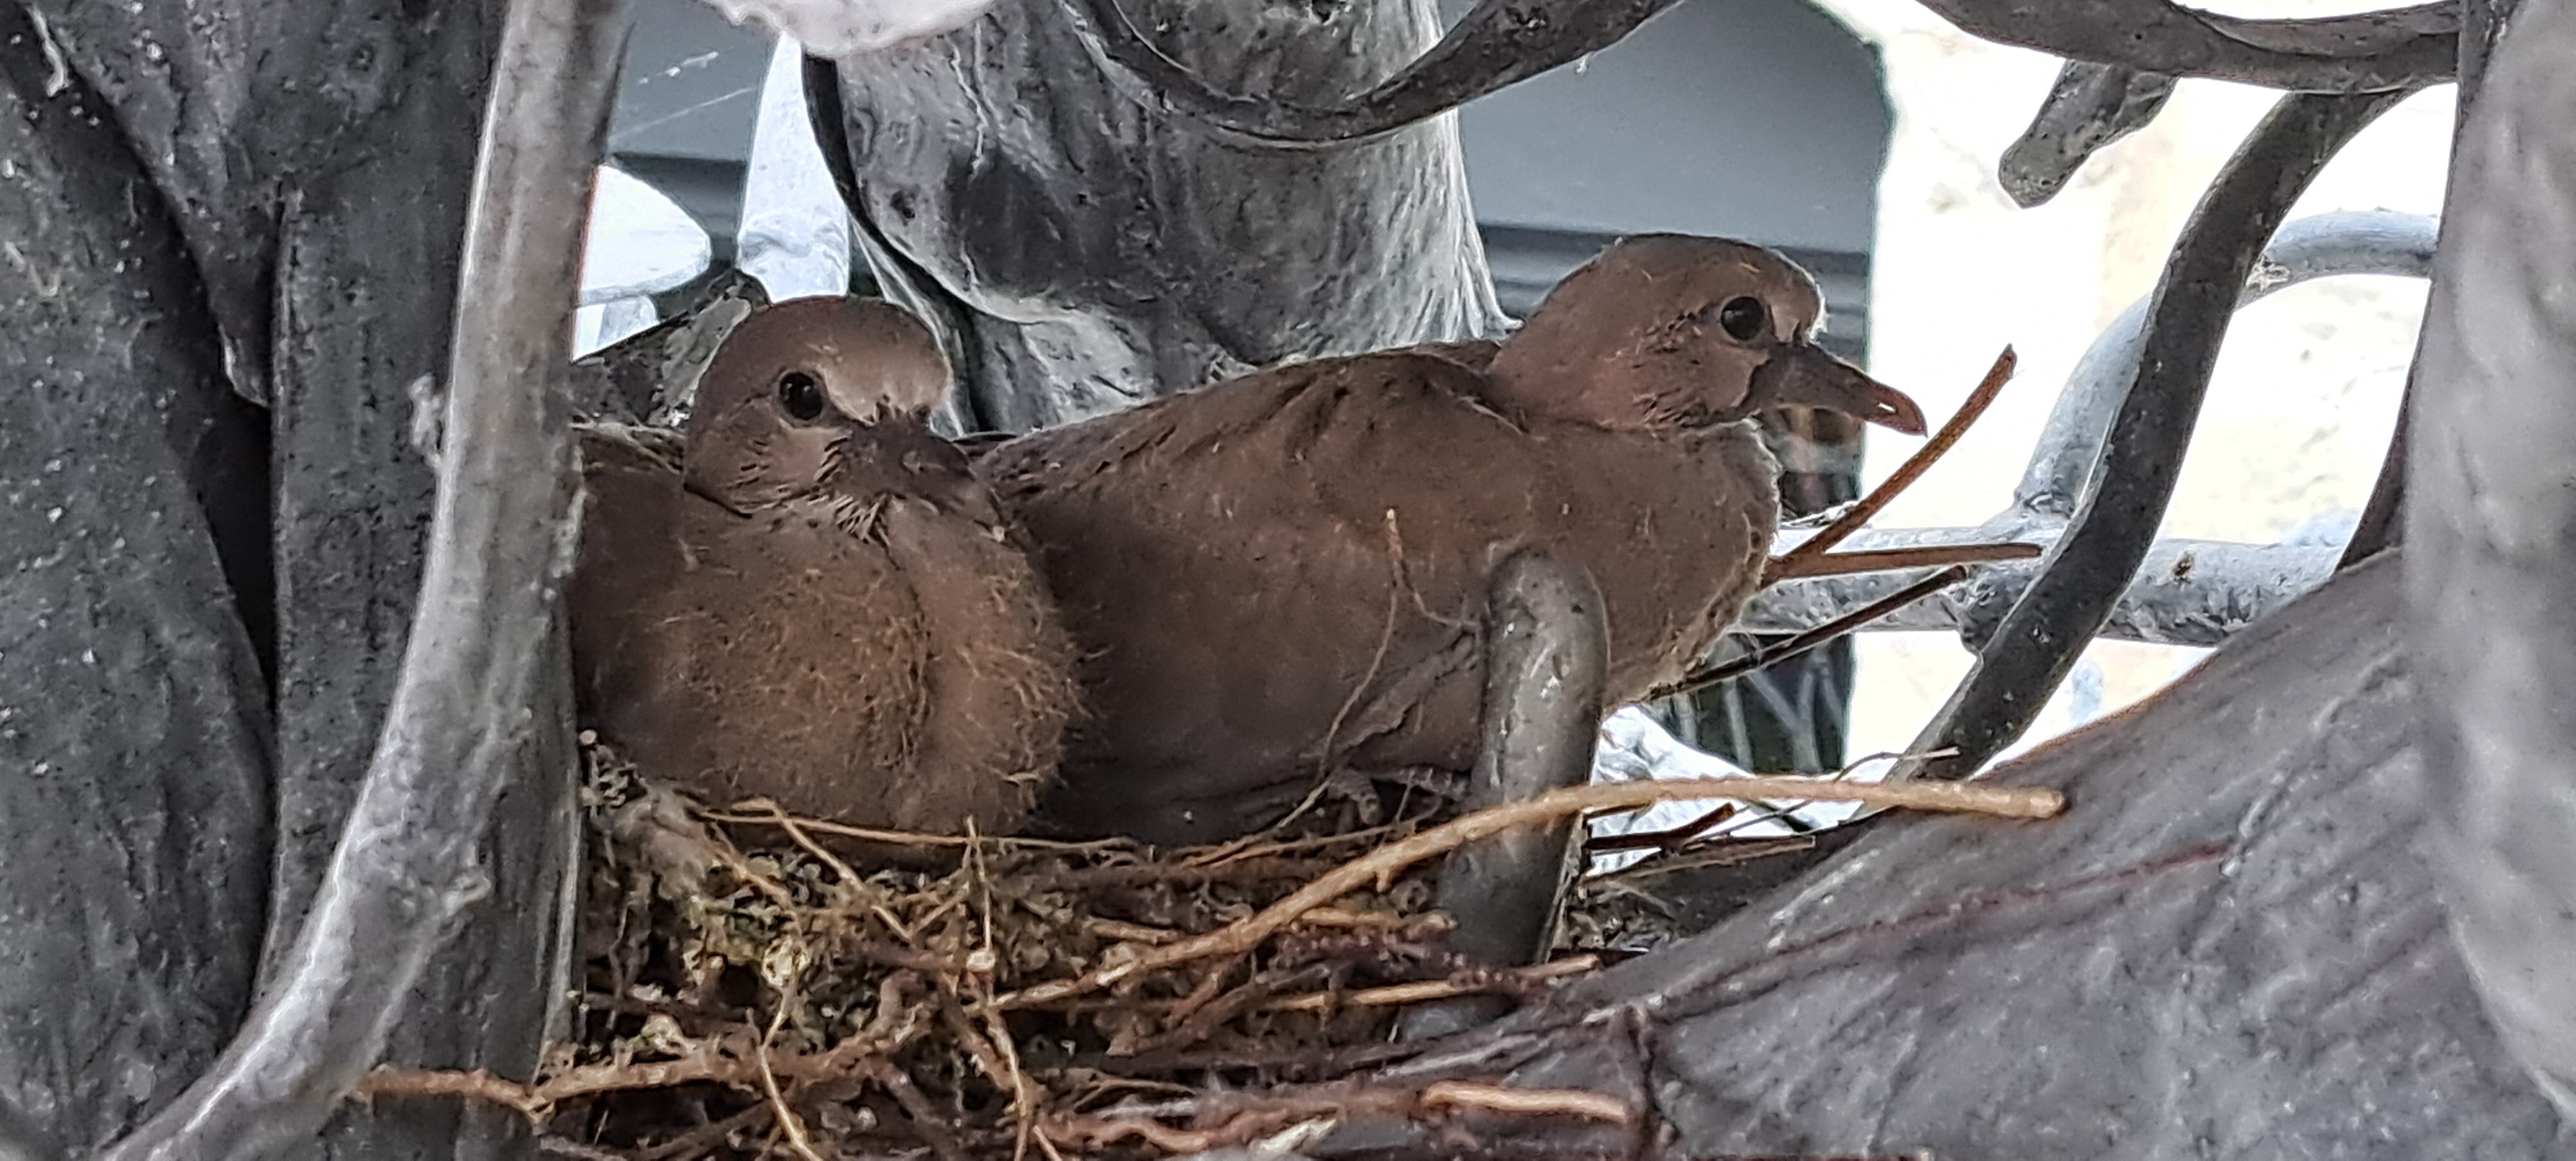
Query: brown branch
point(1851, 521)
point(1824, 634)
point(1526, 1102)
point(1385, 861)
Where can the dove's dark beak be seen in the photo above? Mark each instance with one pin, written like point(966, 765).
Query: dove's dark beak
point(1803, 375)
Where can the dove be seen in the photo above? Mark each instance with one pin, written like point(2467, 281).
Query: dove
point(1279, 579)
point(807, 596)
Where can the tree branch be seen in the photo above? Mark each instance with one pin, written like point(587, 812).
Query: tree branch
point(405, 866)
point(1497, 44)
point(2399, 48)
point(2091, 106)
point(2133, 479)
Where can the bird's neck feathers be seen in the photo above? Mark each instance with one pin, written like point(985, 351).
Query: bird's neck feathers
point(1638, 389)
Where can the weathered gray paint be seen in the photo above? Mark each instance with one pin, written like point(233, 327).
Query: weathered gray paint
point(2491, 529)
point(2229, 946)
point(134, 767)
point(1081, 254)
point(291, 180)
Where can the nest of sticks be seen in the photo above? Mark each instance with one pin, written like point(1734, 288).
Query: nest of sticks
point(751, 983)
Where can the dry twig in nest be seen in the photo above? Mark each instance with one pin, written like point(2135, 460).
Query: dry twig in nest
point(1007, 996)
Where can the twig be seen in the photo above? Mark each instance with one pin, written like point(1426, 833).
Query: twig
point(1528, 1102)
point(704, 1061)
point(555, 1146)
point(905, 837)
point(1813, 638)
point(1892, 559)
point(479, 1084)
point(1394, 995)
point(705, 1137)
point(1726, 854)
point(1906, 473)
point(796, 831)
point(788, 1122)
point(927, 1121)
point(1660, 840)
point(2011, 802)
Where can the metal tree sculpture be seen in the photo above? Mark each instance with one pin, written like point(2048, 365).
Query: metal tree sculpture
point(240, 203)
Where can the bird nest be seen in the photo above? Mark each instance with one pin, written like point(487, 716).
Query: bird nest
point(755, 983)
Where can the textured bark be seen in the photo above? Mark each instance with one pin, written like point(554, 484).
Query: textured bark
point(2492, 526)
point(269, 194)
point(134, 770)
point(2230, 945)
point(1083, 254)
point(366, 291)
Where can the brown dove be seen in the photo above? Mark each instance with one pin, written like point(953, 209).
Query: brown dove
point(809, 597)
point(1281, 577)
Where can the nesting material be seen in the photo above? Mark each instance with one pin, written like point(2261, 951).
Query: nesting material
point(752, 983)
point(732, 954)
point(808, 597)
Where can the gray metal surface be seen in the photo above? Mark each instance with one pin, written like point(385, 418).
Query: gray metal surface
point(2491, 529)
point(1081, 253)
point(2230, 946)
point(2187, 592)
point(134, 729)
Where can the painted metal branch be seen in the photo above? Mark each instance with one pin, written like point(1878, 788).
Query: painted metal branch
point(2398, 48)
point(2382, 522)
point(1497, 44)
point(2132, 481)
point(2491, 548)
point(1547, 658)
point(2319, 246)
point(2090, 106)
point(2188, 592)
point(406, 864)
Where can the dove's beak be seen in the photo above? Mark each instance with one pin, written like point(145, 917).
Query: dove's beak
point(1803, 375)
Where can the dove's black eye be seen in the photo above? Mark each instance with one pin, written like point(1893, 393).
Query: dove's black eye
point(801, 394)
point(1743, 319)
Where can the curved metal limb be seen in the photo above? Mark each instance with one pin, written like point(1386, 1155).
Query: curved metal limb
point(1497, 44)
point(406, 865)
point(2320, 246)
point(2397, 48)
point(2112, 531)
point(2090, 106)
point(2189, 592)
point(1547, 658)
